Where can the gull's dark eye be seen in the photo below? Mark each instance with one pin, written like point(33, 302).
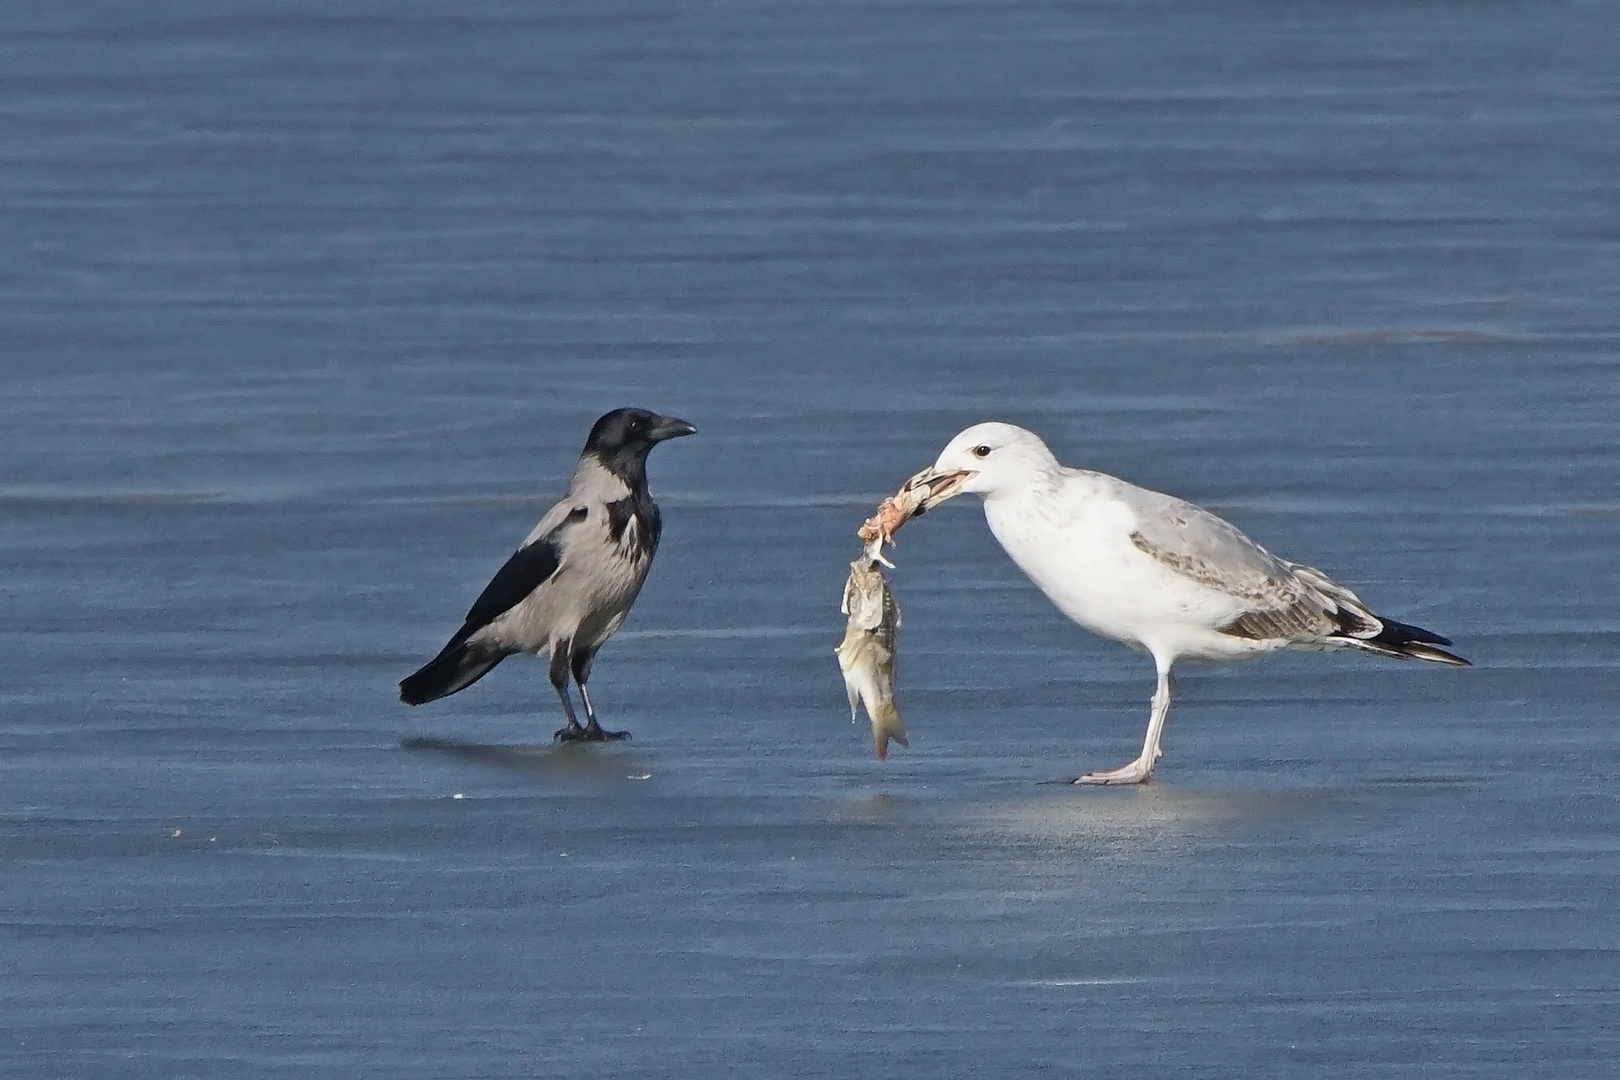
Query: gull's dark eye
point(981, 451)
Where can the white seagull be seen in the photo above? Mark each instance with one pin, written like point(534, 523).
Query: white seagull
point(1152, 571)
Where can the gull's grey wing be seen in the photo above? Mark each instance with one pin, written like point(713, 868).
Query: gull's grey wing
point(1285, 600)
point(1194, 542)
point(530, 567)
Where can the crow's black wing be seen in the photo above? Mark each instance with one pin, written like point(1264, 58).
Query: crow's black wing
point(530, 567)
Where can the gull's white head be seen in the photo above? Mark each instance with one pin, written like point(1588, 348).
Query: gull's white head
point(985, 459)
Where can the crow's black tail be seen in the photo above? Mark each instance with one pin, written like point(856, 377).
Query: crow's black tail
point(1406, 642)
point(457, 667)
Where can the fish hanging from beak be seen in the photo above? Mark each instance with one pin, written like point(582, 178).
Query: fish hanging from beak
point(867, 653)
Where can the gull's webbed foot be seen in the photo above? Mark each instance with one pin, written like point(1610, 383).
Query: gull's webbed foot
point(571, 733)
point(1136, 772)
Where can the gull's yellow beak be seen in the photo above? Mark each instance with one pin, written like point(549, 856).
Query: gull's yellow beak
point(940, 486)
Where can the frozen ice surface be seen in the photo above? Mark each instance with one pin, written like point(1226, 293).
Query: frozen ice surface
point(306, 310)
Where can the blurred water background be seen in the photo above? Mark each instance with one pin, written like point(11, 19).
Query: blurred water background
point(306, 308)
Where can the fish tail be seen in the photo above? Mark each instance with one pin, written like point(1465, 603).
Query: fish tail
point(886, 725)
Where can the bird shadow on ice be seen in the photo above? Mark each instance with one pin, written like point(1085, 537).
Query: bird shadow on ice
point(564, 760)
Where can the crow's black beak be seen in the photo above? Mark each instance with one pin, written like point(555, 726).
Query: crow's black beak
point(667, 427)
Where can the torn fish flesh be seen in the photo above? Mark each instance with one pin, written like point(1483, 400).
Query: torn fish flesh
point(916, 496)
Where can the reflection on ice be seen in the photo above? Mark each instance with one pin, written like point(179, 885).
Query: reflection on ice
point(878, 809)
point(1154, 808)
point(1123, 981)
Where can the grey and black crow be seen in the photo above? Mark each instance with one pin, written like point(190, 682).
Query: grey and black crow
point(568, 588)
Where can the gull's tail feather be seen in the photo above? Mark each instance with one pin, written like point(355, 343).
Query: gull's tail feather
point(457, 667)
point(1404, 641)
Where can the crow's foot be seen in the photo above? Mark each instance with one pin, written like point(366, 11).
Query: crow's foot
point(595, 733)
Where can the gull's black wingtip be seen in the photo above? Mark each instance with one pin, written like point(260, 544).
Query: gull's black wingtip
point(1414, 643)
point(1399, 633)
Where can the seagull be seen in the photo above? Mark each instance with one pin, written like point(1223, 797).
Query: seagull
point(568, 588)
point(1152, 571)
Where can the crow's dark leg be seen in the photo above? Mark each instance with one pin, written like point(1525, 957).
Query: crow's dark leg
point(559, 679)
point(582, 672)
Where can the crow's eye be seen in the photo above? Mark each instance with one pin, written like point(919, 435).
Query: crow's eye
point(981, 451)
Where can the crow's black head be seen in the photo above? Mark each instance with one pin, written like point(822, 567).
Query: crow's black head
point(621, 439)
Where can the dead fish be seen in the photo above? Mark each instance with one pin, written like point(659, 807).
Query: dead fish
point(866, 654)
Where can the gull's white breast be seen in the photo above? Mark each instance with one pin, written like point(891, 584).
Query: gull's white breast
point(1071, 534)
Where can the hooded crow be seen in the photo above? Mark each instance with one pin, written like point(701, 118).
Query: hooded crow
point(568, 588)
